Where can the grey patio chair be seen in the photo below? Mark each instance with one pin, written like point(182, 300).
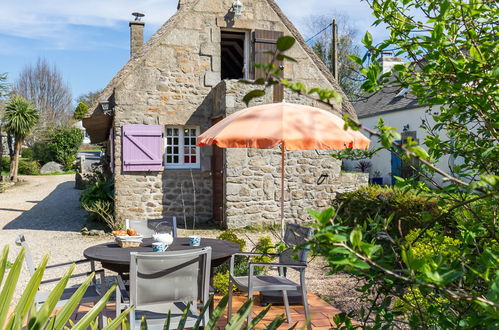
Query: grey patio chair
point(148, 227)
point(289, 258)
point(166, 281)
point(94, 291)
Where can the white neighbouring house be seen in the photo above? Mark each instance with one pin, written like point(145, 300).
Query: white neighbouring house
point(86, 138)
point(399, 109)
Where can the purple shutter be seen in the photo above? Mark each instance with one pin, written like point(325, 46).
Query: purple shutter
point(142, 147)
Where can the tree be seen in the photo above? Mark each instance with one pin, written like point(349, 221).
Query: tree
point(90, 98)
point(19, 119)
point(43, 86)
point(444, 274)
point(80, 111)
point(349, 77)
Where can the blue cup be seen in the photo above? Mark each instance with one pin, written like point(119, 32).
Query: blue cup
point(194, 240)
point(158, 247)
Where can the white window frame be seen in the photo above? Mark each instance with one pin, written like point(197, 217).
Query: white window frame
point(182, 165)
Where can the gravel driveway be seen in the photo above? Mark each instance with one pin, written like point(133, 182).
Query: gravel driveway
point(47, 211)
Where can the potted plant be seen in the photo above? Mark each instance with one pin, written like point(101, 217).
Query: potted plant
point(377, 178)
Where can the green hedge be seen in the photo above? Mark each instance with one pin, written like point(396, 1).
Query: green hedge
point(410, 211)
point(26, 167)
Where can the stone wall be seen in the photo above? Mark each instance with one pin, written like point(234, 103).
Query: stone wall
point(171, 82)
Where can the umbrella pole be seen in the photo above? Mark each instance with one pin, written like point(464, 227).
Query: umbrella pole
point(283, 150)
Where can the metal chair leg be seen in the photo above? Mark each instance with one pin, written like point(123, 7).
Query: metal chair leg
point(286, 305)
point(250, 296)
point(305, 301)
point(229, 309)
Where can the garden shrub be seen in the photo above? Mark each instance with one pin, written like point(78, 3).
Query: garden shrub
point(29, 167)
point(26, 167)
point(62, 146)
point(66, 141)
point(431, 247)
point(241, 263)
point(98, 199)
point(28, 153)
point(43, 152)
point(409, 209)
point(5, 163)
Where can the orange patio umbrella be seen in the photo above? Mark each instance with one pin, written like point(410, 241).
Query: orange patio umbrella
point(293, 126)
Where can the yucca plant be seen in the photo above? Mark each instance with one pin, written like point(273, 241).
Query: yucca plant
point(25, 316)
point(237, 322)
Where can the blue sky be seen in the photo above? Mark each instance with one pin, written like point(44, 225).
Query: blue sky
point(89, 40)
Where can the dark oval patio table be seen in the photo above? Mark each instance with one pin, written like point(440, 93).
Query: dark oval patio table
point(117, 259)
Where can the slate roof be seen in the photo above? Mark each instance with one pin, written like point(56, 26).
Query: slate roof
point(390, 98)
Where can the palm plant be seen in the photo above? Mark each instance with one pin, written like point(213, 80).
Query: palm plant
point(20, 118)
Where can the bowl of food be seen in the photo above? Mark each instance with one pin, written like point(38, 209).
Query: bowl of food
point(127, 238)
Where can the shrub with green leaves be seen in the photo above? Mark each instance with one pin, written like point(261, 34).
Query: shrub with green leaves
point(241, 263)
point(28, 153)
point(98, 200)
point(61, 146)
point(409, 209)
point(29, 167)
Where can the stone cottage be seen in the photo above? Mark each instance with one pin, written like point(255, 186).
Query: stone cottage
point(182, 81)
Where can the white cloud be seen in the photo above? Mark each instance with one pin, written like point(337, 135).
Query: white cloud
point(61, 23)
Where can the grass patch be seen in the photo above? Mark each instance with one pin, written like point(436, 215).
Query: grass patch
point(60, 173)
point(90, 147)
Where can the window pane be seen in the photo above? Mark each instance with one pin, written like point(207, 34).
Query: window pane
point(186, 159)
point(193, 159)
point(186, 141)
point(186, 150)
point(175, 150)
point(169, 141)
point(193, 132)
point(169, 159)
point(175, 132)
point(175, 159)
point(175, 141)
point(193, 150)
point(169, 131)
point(193, 141)
point(169, 150)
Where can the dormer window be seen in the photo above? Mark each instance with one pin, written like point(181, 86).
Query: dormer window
point(234, 54)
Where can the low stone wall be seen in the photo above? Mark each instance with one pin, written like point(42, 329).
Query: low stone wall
point(254, 185)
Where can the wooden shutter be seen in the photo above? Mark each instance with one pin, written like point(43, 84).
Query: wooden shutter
point(263, 41)
point(142, 147)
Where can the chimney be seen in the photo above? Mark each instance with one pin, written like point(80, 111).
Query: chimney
point(136, 34)
point(387, 61)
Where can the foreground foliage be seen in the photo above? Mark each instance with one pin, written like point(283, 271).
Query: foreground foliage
point(24, 315)
point(444, 274)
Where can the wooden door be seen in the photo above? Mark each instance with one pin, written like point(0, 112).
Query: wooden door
point(218, 172)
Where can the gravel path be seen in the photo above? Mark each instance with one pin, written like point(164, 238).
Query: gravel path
point(47, 211)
